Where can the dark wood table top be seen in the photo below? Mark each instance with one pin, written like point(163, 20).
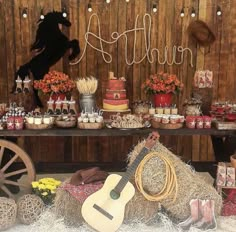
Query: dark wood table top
point(114, 132)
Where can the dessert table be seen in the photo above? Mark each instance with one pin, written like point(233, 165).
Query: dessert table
point(217, 136)
point(115, 132)
point(27, 165)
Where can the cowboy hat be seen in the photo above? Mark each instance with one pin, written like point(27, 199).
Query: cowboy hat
point(200, 33)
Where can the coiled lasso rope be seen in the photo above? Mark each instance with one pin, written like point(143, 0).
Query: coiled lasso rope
point(171, 183)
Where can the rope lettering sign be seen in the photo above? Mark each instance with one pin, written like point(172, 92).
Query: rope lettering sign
point(152, 54)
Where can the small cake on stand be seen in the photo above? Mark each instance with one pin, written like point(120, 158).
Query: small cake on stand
point(115, 100)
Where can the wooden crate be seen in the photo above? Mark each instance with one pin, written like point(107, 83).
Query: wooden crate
point(225, 125)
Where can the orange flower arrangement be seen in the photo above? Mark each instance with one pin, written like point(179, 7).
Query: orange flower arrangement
point(162, 83)
point(55, 82)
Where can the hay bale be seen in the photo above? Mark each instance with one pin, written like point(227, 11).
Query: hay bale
point(8, 212)
point(68, 207)
point(190, 184)
point(29, 208)
point(138, 209)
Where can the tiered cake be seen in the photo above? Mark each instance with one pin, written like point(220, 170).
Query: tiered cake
point(115, 96)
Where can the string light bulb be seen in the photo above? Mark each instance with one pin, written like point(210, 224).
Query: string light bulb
point(218, 11)
point(24, 13)
point(127, 0)
point(64, 13)
point(90, 9)
point(182, 13)
point(193, 13)
point(154, 8)
point(108, 1)
point(41, 14)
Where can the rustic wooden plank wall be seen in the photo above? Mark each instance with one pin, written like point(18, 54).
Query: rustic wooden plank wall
point(168, 28)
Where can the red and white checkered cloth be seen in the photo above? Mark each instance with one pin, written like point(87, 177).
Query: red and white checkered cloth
point(81, 192)
point(229, 204)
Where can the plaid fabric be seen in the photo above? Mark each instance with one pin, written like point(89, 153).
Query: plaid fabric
point(229, 209)
point(229, 204)
point(81, 192)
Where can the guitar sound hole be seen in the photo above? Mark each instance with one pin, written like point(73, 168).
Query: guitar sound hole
point(114, 195)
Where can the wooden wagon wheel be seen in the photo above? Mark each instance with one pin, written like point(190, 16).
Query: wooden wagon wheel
point(5, 174)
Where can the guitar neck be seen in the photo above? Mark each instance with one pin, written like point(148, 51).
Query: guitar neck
point(130, 171)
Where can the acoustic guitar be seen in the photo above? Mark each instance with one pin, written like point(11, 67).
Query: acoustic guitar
point(104, 209)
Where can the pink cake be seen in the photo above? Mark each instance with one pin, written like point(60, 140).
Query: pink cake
point(111, 104)
point(115, 84)
point(115, 96)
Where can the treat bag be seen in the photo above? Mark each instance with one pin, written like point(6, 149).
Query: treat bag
point(201, 79)
point(65, 107)
point(209, 79)
point(195, 79)
point(50, 106)
point(18, 85)
point(58, 106)
point(26, 83)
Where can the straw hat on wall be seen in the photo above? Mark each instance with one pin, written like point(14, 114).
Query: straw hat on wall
point(200, 33)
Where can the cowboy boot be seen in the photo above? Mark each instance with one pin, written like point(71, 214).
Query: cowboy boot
point(18, 85)
point(208, 221)
point(194, 217)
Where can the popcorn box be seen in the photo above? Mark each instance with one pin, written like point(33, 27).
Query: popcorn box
point(221, 174)
point(11, 123)
point(207, 122)
point(19, 123)
point(199, 122)
point(230, 178)
point(190, 122)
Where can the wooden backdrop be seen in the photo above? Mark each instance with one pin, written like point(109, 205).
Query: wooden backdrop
point(168, 28)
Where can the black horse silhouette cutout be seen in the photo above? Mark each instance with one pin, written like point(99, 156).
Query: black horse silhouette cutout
point(50, 45)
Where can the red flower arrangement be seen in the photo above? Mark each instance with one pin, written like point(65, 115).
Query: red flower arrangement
point(162, 83)
point(55, 82)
